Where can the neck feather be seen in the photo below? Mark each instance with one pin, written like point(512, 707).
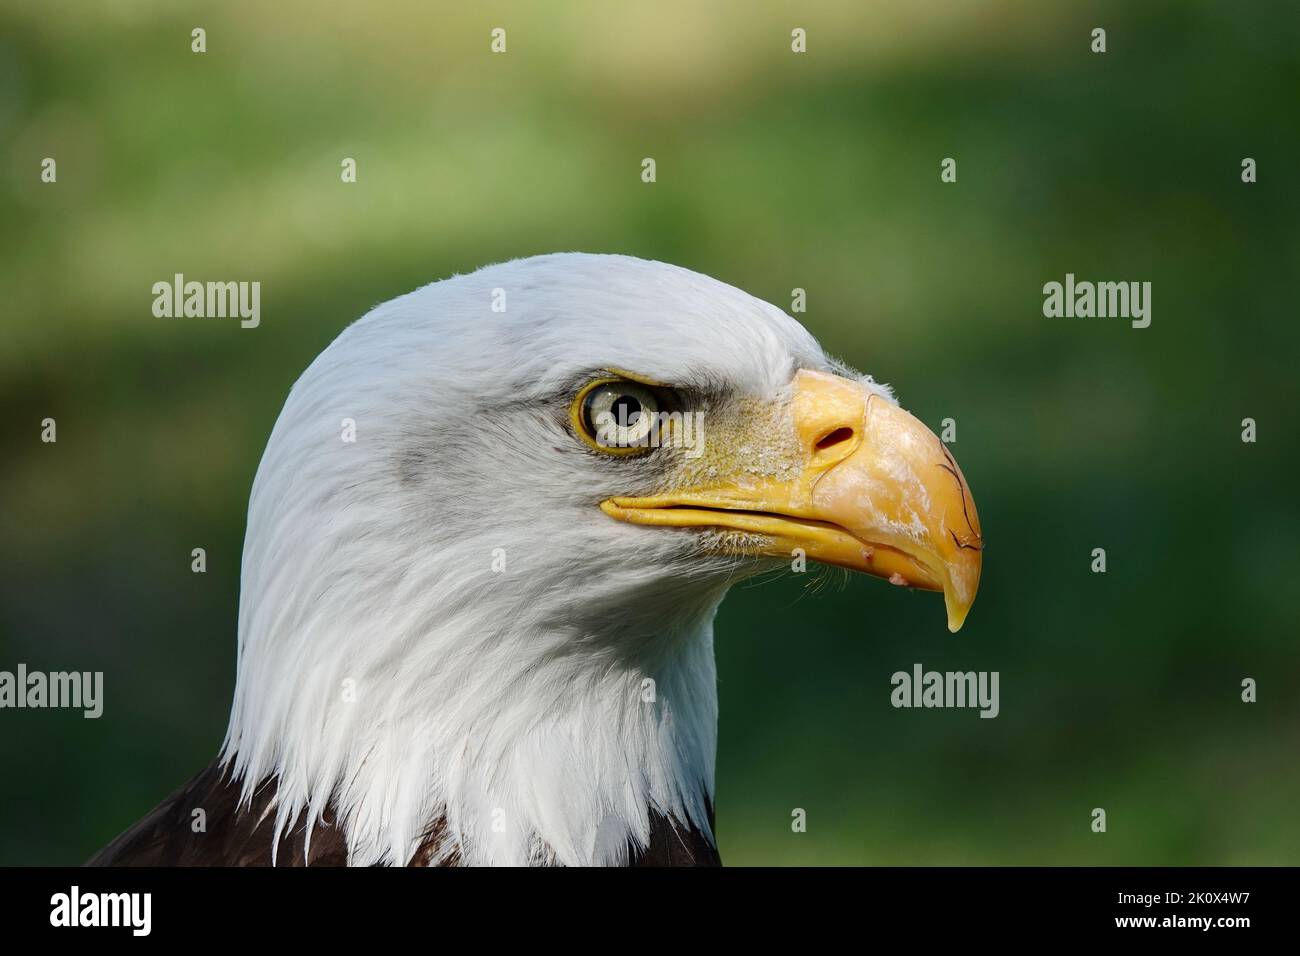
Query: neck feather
point(522, 743)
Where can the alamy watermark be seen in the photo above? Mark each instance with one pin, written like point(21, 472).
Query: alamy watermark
point(78, 690)
point(647, 429)
point(922, 688)
point(75, 908)
point(209, 300)
point(1103, 300)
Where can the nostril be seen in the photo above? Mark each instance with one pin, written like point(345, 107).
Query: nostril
point(831, 439)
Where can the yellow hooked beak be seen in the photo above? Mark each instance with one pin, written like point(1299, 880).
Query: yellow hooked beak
point(873, 490)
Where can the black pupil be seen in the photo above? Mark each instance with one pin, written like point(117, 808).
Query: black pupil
point(626, 410)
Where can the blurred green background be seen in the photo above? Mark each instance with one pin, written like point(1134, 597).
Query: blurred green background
point(775, 171)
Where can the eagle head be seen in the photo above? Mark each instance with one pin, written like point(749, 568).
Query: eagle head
point(490, 531)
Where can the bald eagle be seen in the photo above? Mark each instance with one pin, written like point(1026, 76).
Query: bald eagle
point(484, 550)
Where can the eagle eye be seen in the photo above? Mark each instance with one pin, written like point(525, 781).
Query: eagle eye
point(618, 416)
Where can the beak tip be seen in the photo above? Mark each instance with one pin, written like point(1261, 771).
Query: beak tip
point(956, 614)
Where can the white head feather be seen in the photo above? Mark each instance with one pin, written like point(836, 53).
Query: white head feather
point(384, 666)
